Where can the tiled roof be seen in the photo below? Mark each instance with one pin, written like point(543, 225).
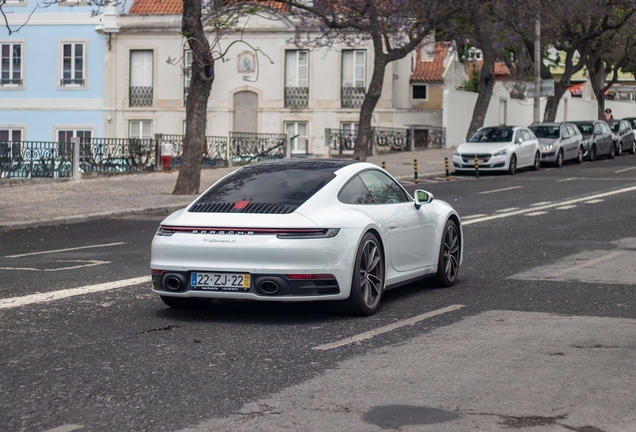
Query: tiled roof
point(175, 7)
point(431, 71)
point(157, 7)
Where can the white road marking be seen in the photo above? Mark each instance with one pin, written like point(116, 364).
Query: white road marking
point(65, 250)
point(372, 333)
point(623, 170)
point(594, 201)
point(13, 302)
point(473, 216)
point(500, 190)
point(567, 207)
point(91, 263)
point(548, 206)
point(66, 428)
point(567, 179)
point(542, 203)
point(537, 213)
point(590, 262)
point(507, 210)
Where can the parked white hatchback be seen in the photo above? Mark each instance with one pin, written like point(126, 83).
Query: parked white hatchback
point(498, 148)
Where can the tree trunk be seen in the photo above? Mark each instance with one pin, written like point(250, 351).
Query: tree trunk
point(363, 139)
point(551, 107)
point(486, 76)
point(597, 78)
point(202, 71)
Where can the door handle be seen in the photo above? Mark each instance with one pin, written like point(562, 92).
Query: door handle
point(393, 226)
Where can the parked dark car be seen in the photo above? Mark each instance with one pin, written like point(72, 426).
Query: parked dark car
point(623, 136)
point(559, 142)
point(599, 139)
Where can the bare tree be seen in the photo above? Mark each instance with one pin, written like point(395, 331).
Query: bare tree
point(607, 55)
point(395, 28)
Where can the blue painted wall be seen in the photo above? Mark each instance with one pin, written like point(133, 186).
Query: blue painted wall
point(41, 64)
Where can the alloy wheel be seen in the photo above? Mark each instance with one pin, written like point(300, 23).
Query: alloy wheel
point(371, 274)
point(451, 252)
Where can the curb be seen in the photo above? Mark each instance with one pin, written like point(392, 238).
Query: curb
point(68, 220)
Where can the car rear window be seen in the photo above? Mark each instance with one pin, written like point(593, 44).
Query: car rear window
point(274, 188)
point(547, 131)
point(586, 128)
point(492, 134)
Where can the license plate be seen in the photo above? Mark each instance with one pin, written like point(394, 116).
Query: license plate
point(223, 281)
point(481, 161)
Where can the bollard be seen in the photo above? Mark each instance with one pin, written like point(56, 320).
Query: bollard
point(383, 165)
point(447, 173)
point(476, 167)
point(415, 180)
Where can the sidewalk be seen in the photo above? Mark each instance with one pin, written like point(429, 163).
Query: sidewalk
point(30, 203)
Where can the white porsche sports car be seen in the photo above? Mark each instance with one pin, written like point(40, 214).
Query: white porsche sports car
point(304, 230)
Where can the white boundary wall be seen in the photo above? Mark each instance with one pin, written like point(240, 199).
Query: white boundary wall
point(504, 110)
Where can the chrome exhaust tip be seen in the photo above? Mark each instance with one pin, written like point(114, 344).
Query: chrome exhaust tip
point(268, 287)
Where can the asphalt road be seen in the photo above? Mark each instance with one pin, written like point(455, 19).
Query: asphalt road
point(538, 333)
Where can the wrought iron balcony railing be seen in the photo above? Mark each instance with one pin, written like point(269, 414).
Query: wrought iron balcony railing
point(71, 82)
point(140, 96)
point(352, 97)
point(11, 82)
point(296, 97)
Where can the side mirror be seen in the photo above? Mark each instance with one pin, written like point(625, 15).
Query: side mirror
point(519, 140)
point(422, 197)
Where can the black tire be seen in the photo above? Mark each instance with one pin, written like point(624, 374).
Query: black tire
point(512, 166)
point(579, 157)
point(449, 253)
point(367, 284)
point(593, 153)
point(186, 303)
point(612, 153)
point(559, 159)
point(632, 149)
point(537, 162)
point(619, 149)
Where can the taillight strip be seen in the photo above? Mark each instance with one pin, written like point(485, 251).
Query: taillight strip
point(217, 230)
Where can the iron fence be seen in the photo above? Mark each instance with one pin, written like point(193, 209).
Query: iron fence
point(140, 96)
point(429, 137)
point(352, 97)
point(215, 153)
point(341, 140)
point(117, 155)
point(31, 159)
point(251, 147)
point(296, 97)
point(392, 138)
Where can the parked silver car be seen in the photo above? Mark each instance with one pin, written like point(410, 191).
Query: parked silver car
point(559, 142)
point(599, 139)
point(623, 136)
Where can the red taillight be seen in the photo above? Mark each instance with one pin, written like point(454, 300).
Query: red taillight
point(310, 276)
point(156, 272)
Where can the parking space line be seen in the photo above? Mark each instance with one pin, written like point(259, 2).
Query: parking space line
point(594, 201)
point(507, 210)
point(500, 190)
point(65, 250)
point(567, 207)
point(13, 302)
point(473, 216)
point(88, 263)
point(542, 203)
point(537, 213)
point(66, 428)
point(548, 206)
point(372, 333)
point(624, 169)
point(566, 179)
